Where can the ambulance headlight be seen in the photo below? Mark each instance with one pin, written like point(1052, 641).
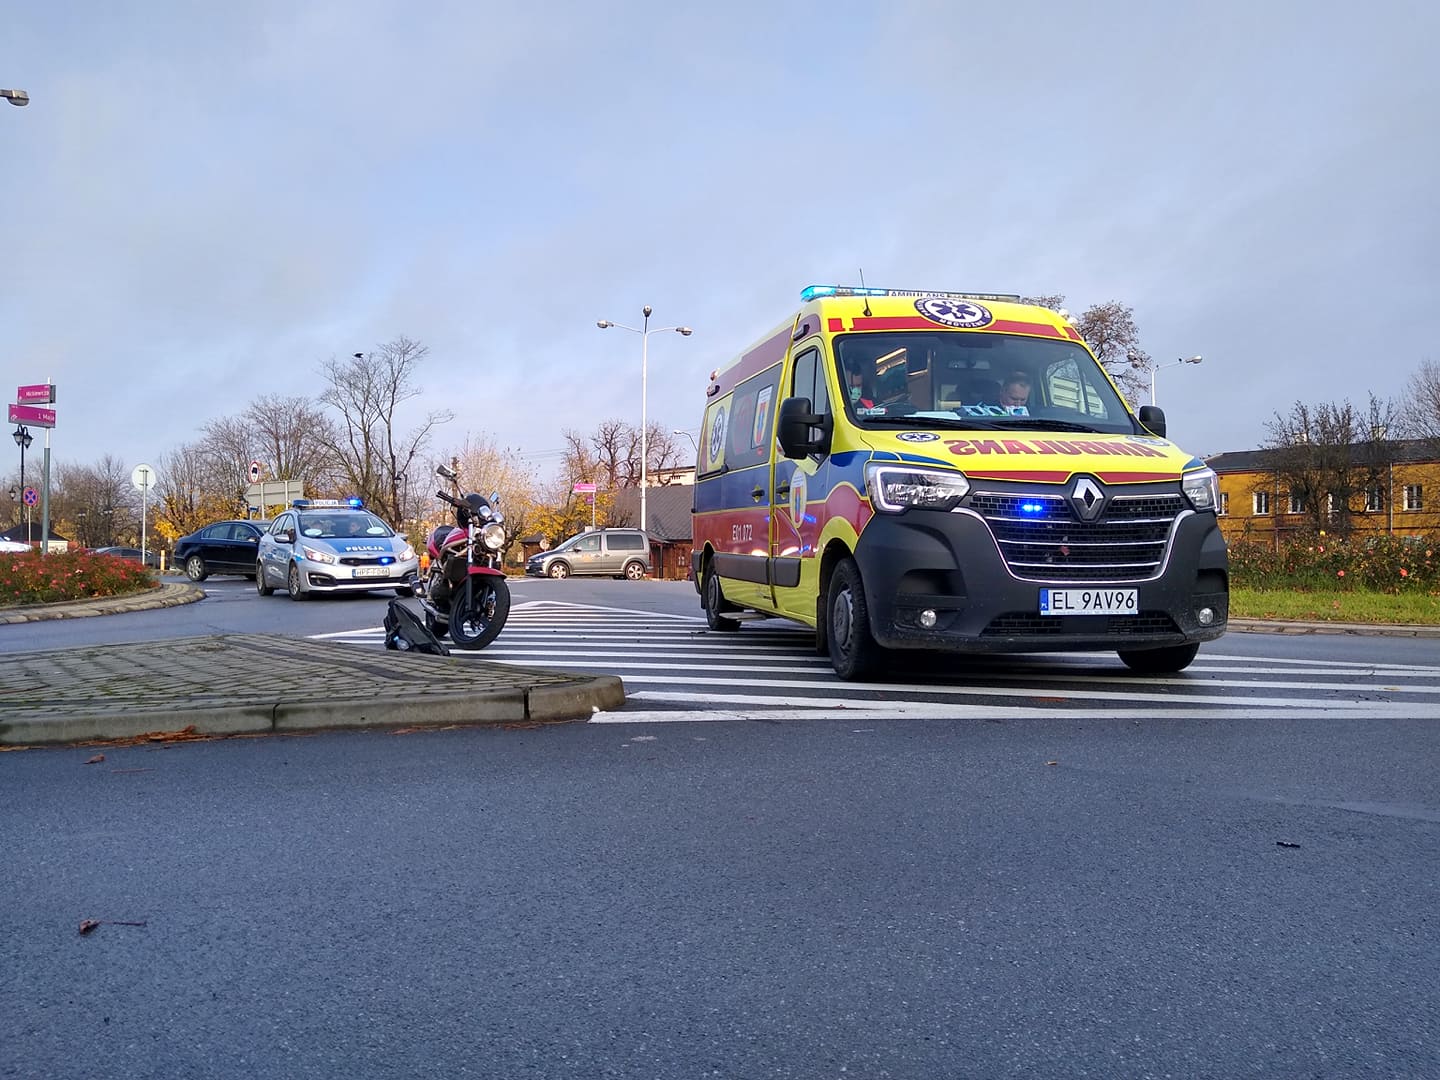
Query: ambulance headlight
point(894, 488)
point(492, 536)
point(1201, 488)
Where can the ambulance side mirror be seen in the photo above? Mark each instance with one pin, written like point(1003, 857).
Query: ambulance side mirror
point(800, 431)
point(1152, 417)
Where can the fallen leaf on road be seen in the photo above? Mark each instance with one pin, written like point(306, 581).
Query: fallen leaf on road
point(95, 760)
point(86, 925)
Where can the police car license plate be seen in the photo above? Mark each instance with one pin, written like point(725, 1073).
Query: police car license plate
point(371, 571)
point(1089, 601)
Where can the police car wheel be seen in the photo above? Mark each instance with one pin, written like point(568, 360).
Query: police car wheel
point(1159, 661)
point(854, 652)
point(260, 586)
point(713, 601)
point(292, 583)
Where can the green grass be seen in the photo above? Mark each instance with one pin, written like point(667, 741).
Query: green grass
point(1355, 606)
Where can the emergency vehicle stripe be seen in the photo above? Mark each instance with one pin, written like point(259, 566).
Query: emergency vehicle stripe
point(915, 322)
point(1056, 476)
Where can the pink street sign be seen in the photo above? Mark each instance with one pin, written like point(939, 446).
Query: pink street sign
point(24, 414)
point(582, 487)
point(29, 395)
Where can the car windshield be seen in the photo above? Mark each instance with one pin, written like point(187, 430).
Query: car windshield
point(980, 380)
point(322, 526)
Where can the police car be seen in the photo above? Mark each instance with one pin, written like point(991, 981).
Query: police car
point(332, 545)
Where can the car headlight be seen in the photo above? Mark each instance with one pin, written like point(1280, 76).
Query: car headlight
point(1201, 488)
point(316, 555)
point(492, 536)
point(894, 488)
point(407, 554)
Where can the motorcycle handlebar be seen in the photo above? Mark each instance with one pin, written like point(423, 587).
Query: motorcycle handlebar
point(448, 498)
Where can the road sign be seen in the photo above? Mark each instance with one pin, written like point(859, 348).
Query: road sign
point(255, 469)
point(143, 477)
point(33, 395)
point(31, 496)
point(582, 487)
point(24, 414)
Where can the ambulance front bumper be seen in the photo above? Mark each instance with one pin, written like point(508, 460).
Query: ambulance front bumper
point(937, 580)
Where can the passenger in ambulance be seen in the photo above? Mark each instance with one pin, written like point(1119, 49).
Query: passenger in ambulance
point(1015, 390)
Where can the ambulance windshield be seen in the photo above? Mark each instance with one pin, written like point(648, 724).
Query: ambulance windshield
point(978, 380)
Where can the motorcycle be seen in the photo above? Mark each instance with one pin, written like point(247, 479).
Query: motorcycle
point(464, 592)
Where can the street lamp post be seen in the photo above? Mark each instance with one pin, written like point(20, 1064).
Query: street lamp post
point(644, 331)
point(1162, 367)
point(23, 439)
point(682, 431)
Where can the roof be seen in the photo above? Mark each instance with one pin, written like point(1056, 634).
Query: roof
point(37, 533)
point(667, 510)
point(1267, 459)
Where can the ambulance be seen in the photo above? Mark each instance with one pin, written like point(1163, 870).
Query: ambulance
point(950, 471)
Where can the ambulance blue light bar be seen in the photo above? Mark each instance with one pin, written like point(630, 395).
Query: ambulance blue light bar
point(814, 292)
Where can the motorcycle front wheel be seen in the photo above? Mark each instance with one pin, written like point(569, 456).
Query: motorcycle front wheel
point(478, 614)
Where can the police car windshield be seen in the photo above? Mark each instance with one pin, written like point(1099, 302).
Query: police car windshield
point(319, 525)
point(976, 379)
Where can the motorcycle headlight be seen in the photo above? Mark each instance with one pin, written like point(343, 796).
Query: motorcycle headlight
point(492, 536)
point(894, 488)
point(1201, 488)
point(316, 555)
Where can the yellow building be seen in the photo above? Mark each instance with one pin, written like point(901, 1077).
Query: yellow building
point(1271, 494)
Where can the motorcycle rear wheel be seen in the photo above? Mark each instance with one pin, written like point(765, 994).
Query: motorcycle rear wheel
point(478, 614)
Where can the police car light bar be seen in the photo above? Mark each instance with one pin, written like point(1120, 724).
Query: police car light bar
point(813, 292)
point(352, 503)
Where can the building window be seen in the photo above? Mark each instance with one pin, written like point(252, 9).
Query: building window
point(1296, 504)
point(1262, 502)
point(1224, 502)
point(1414, 497)
point(1374, 500)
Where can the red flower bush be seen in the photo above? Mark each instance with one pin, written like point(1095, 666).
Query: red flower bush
point(31, 578)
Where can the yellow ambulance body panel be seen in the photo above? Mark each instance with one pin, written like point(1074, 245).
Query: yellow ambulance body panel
point(915, 470)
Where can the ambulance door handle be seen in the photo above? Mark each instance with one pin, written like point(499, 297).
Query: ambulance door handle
point(783, 491)
point(758, 493)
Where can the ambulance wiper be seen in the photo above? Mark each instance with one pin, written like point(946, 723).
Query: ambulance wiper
point(968, 423)
point(1046, 425)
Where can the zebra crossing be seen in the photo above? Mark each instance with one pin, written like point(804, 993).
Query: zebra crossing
point(675, 669)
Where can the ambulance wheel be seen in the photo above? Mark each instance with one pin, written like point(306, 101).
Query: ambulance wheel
point(1159, 661)
point(853, 649)
point(713, 601)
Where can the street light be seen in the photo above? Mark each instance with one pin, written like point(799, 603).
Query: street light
point(681, 431)
point(1162, 367)
point(644, 331)
point(23, 439)
point(16, 97)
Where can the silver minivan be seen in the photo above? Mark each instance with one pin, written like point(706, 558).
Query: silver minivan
point(607, 552)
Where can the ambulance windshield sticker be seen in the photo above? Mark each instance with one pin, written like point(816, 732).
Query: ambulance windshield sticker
point(716, 446)
point(762, 416)
point(963, 314)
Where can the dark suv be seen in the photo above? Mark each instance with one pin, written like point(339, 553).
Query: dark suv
point(604, 552)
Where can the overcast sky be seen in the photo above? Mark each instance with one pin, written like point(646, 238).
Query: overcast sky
point(204, 202)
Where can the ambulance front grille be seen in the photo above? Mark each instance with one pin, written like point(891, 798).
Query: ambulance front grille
point(1042, 538)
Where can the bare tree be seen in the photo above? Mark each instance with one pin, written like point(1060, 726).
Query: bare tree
point(487, 468)
point(98, 501)
point(615, 448)
point(1420, 416)
point(294, 437)
point(1328, 457)
point(225, 450)
point(369, 452)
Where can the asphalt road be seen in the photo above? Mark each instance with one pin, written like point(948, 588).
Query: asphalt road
point(1226, 895)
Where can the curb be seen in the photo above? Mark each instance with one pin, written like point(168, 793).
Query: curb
point(258, 685)
point(166, 594)
point(1263, 626)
